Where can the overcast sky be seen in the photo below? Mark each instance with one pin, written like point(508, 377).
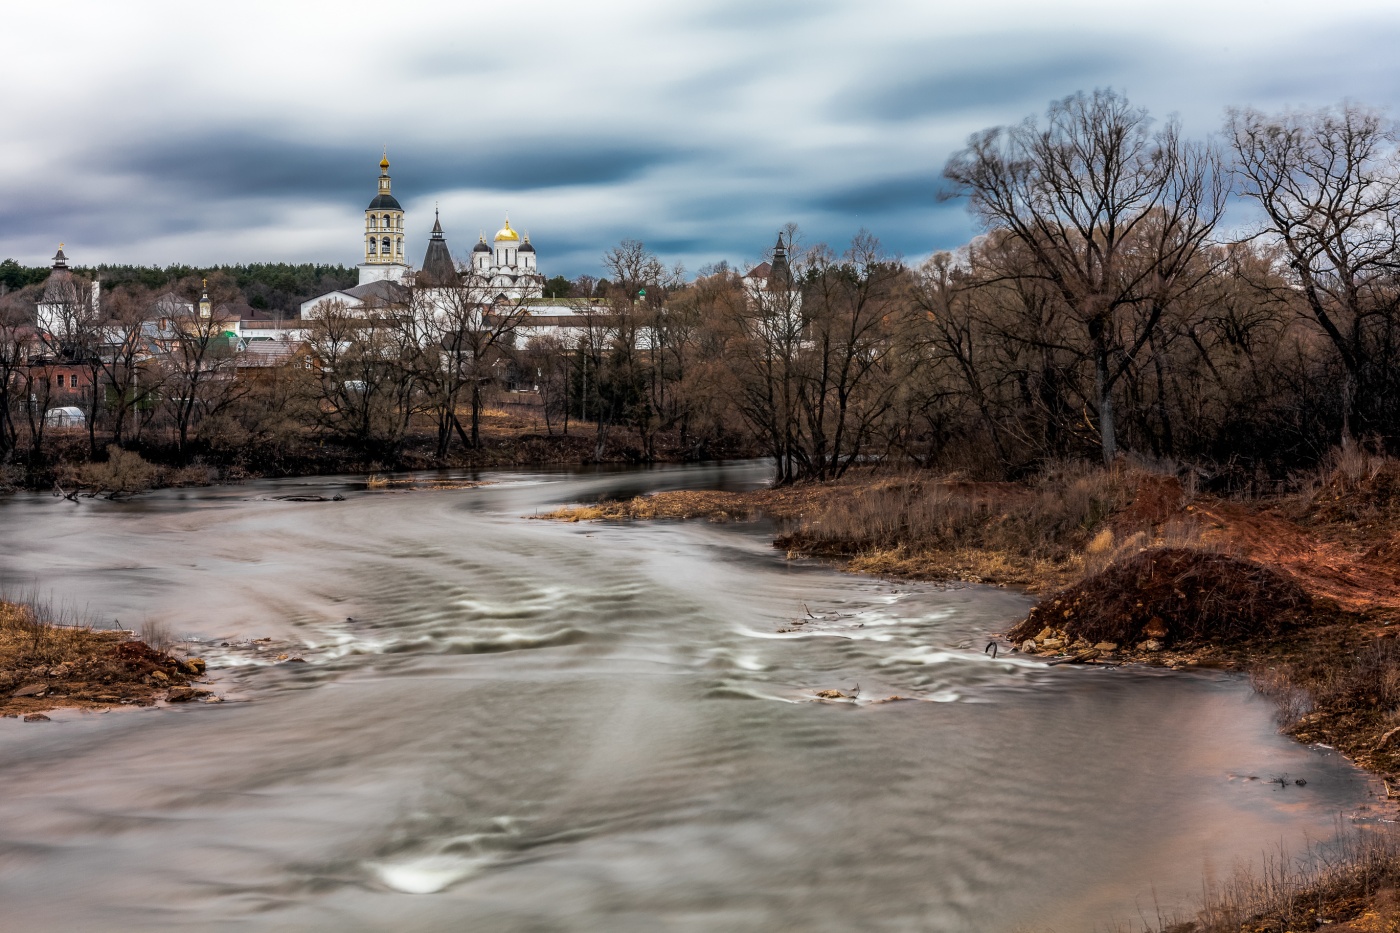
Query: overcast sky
point(232, 132)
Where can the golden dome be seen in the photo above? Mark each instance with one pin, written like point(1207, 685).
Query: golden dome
point(507, 234)
point(384, 162)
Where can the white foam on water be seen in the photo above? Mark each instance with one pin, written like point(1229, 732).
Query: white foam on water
point(748, 692)
point(426, 874)
point(926, 655)
point(854, 635)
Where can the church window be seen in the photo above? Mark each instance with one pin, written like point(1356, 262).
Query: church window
point(398, 246)
point(372, 222)
point(388, 224)
point(385, 248)
point(371, 245)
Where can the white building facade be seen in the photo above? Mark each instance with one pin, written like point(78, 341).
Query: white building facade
point(509, 270)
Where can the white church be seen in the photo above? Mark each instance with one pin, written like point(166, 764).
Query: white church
point(507, 272)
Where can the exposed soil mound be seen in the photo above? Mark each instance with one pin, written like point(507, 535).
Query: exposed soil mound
point(139, 659)
point(1175, 596)
point(1156, 500)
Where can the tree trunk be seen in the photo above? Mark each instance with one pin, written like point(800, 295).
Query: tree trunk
point(1104, 388)
point(476, 414)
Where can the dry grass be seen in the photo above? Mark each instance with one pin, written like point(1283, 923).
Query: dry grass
point(55, 659)
point(1033, 535)
point(913, 525)
point(1345, 885)
point(786, 504)
point(127, 473)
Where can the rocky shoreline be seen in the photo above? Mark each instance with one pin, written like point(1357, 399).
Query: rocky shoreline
point(46, 666)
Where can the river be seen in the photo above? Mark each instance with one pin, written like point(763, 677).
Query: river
point(515, 725)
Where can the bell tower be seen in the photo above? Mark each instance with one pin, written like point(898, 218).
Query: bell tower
point(384, 256)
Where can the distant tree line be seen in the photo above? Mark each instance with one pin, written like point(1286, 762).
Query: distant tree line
point(276, 287)
point(1103, 311)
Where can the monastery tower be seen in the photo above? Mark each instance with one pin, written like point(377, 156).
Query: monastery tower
point(384, 257)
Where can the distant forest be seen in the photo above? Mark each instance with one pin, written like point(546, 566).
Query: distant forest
point(267, 286)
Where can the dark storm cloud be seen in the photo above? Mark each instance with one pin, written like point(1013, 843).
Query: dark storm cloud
point(227, 164)
point(699, 128)
point(1010, 70)
point(892, 195)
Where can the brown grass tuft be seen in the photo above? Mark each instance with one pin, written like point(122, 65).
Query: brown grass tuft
point(1347, 884)
point(75, 664)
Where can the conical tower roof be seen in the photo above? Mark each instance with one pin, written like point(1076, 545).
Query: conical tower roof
point(59, 287)
point(780, 278)
point(438, 268)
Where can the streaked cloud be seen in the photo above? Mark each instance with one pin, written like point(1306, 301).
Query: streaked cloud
point(157, 132)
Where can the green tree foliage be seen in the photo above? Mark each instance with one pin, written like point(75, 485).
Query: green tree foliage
point(558, 287)
point(272, 286)
point(13, 276)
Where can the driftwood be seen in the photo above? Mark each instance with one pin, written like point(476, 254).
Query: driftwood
point(335, 498)
point(1080, 658)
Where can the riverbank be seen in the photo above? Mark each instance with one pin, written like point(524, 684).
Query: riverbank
point(509, 438)
point(47, 665)
point(1301, 591)
point(1298, 590)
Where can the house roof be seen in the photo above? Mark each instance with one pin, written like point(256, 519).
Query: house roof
point(382, 290)
point(262, 353)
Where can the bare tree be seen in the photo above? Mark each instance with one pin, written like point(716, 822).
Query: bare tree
point(1111, 214)
point(17, 337)
point(1328, 182)
point(855, 308)
point(766, 351)
point(198, 359)
point(126, 342)
point(370, 372)
point(467, 332)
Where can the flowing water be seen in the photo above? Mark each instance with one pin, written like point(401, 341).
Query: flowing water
point(516, 725)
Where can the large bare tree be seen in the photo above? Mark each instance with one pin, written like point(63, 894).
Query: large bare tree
point(198, 359)
point(1112, 215)
point(1328, 182)
point(467, 332)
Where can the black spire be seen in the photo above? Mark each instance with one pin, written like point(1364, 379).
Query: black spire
point(780, 278)
point(438, 269)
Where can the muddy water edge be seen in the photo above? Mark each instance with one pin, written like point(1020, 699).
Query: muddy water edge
point(505, 724)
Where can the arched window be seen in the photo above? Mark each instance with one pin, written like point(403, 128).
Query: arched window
point(388, 223)
point(385, 248)
point(371, 246)
point(373, 222)
point(398, 246)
